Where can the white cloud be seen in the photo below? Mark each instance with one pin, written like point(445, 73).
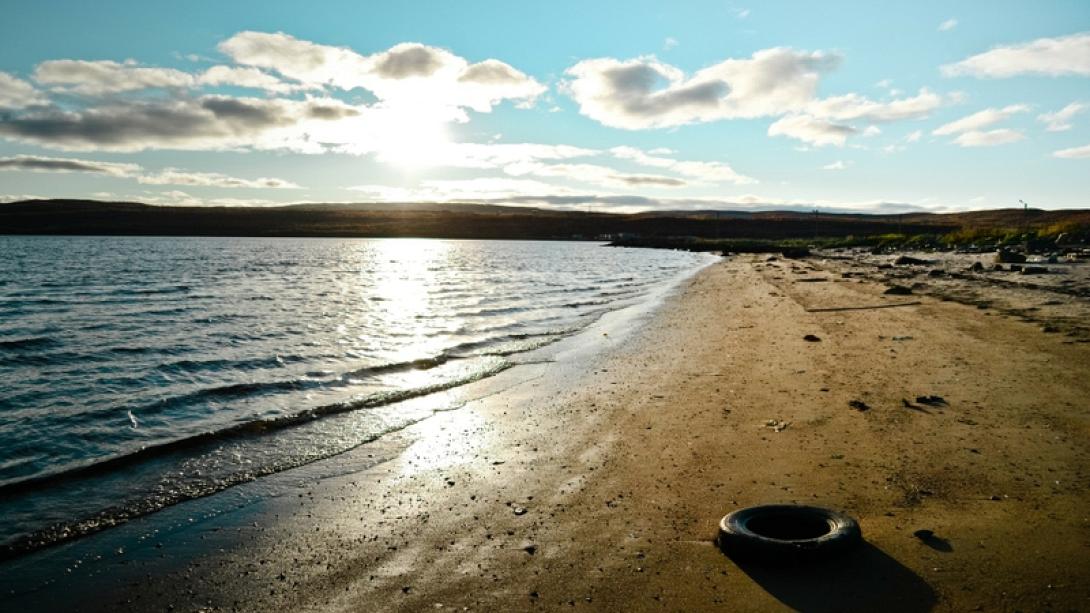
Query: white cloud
point(837, 165)
point(208, 122)
point(96, 78)
point(1060, 121)
point(407, 74)
point(593, 174)
point(646, 93)
point(669, 43)
point(741, 13)
point(1073, 152)
point(480, 189)
point(817, 132)
point(1065, 55)
point(174, 176)
point(169, 176)
point(980, 119)
point(715, 172)
point(16, 93)
point(245, 77)
point(990, 138)
point(914, 136)
point(853, 107)
point(37, 163)
point(872, 131)
point(948, 25)
point(519, 192)
point(180, 198)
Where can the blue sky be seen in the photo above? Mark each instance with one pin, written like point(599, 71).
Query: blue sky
point(608, 105)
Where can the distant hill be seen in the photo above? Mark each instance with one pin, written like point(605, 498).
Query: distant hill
point(90, 217)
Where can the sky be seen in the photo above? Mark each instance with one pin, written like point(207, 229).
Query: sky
point(605, 106)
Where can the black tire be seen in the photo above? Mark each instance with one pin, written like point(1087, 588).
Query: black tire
point(782, 533)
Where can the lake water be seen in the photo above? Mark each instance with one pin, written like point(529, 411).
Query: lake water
point(139, 372)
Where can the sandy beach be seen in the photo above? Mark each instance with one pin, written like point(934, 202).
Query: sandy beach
point(594, 476)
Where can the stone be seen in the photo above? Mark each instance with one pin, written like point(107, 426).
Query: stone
point(907, 260)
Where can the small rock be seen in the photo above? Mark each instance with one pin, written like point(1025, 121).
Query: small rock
point(923, 535)
point(811, 338)
point(519, 510)
point(906, 260)
point(936, 272)
point(530, 549)
point(1009, 257)
point(976, 267)
point(931, 400)
point(1034, 270)
point(858, 405)
point(897, 290)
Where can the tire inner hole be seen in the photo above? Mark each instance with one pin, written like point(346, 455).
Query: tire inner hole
point(789, 527)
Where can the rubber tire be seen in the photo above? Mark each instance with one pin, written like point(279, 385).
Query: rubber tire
point(738, 541)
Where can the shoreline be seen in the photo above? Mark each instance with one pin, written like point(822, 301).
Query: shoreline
point(596, 480)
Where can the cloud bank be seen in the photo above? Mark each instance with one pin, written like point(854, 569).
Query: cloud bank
point(1062, 56)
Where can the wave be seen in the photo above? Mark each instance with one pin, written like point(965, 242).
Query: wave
point(254, 428)
point(29, 343)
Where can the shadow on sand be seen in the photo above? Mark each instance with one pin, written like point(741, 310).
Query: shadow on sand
point(865, 579)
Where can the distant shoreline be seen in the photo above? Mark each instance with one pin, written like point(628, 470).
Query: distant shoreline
point(476, 221)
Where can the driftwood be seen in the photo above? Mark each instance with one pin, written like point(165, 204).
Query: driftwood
point(863, 308)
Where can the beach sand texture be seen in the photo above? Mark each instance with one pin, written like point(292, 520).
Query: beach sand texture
point(598, 482)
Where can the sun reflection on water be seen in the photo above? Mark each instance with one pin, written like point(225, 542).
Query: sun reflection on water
point(404, 288)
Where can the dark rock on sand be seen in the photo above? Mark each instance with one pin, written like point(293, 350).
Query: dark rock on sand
point(931, 400)
point(1009, 257)
point(1035, 270)
point(976, 267)
point(858, 405)
point(811, 338)
point(906, 260)
point(897, 290)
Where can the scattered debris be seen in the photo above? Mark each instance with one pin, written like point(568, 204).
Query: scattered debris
point(777, 425)
point(858, 405)
point(931, 400)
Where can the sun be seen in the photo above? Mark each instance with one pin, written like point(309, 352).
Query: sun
point(412, 139)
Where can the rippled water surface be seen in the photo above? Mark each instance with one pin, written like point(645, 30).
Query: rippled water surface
point(138, 372)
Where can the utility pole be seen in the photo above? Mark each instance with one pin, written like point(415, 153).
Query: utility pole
point(1025, 225)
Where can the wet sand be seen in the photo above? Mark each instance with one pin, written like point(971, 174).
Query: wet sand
point(596, 479)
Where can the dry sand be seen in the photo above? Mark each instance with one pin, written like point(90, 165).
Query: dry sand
point(597, 482)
